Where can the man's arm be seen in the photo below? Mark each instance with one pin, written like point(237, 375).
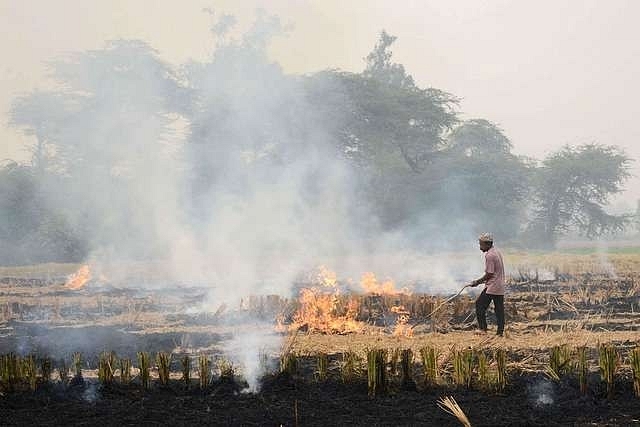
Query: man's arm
point(489, 270)
point(483, 279)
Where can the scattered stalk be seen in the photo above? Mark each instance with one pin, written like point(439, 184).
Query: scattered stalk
point(406, 364)
point(450, 406)
point(227, 370)
point(350, 367)
point(483, 370)
point(63, 371)
point(29, 371)
point(144, 364)
point(107, 367)
point(394, 362)
point(185, 362)
point(263, 360)
point(462, 367)
point(323, 366)
point(289, 363)
point(46, 367)
point(164, 366)
point(583, 369)
point(77, 365)
point(429, 356)
point(204, 365)
point(635, 369)
point(376, 371)
point(609, 362)
point(125, 371)
point(560, 359)
point(501, 363)
point(10, 370)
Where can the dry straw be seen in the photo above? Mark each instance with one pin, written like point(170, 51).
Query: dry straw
point(462, 367)
point(185, 363)
point(77, 365)
point(429, 356)
point(350, 367)
point(406, 364)
point(583, 369)
point(29, 371)
point(63, 371)
point(501, 363)
point(164, 364)
point(46, 367)
point(144, 365)
point(204, 368)
point(609, 362)
point(635, 369)
point(323, 366)
point(450, 406)
point(106, 367)
point(125, 371)
point(377, 371)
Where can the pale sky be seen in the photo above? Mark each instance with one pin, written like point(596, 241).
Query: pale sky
point(548, 72)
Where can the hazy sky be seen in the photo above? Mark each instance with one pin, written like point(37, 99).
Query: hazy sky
point(548, 72)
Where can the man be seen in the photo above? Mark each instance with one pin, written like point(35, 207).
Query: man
point(494, 285)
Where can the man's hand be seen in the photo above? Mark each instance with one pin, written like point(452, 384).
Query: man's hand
point(474, 283)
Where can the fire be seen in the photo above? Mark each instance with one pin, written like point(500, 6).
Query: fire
point(319, 307)
point(79, 279)
point(402, 328)
point(370, 285)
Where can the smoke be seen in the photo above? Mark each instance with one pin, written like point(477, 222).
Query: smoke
point(226, 175)
point(252, 350)
point(606, 266)
point(541, 393)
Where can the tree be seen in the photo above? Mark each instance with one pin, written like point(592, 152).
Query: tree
point(572, 188)
point(486, 178)
point(42, 115)
point(379, 66)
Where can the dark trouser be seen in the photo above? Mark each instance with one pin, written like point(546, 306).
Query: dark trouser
point(482, 303)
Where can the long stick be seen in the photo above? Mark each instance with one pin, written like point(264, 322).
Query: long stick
point(442, 304)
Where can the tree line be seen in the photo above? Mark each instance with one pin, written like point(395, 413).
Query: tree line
point(125, 129)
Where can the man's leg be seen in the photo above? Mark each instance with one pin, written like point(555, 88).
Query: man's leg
point(498, 306)
point(482, 303)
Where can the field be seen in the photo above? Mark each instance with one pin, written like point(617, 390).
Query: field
point(94, 351)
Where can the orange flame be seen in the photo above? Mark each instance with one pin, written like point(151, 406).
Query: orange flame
point(370, 285)
point(402, 328)
point(79, 279)
point(319, 307)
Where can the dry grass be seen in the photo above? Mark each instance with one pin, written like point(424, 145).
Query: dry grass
point(450, 406)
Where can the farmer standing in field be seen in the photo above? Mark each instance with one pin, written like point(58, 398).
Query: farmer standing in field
point(494, 285)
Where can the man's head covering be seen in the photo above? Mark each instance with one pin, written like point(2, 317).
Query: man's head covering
point(486, 237)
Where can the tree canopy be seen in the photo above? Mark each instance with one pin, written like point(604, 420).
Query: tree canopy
point(128, 148)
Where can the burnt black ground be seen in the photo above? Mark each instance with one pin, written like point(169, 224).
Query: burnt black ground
point(528, 401)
